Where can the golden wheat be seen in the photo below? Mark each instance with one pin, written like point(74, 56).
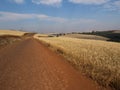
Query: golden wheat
point(11, 32)
point(98, 59)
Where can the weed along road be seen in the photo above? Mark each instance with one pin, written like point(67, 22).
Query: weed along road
point(29, 65)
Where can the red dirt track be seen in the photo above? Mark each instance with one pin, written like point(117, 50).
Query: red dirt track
point(29, 65)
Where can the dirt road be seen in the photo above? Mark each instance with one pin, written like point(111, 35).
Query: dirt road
point(29, 65)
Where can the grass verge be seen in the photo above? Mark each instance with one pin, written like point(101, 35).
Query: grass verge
point(8, 39)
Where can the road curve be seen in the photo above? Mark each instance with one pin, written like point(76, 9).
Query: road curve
point(29, 65)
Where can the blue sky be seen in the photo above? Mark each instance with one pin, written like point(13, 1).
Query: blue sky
point(60, 15)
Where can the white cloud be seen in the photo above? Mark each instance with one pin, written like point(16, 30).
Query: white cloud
point(117, 3)
point(9, 19)
point(48, 2)
point(18, 1)
point(8, 16)
point(89, 1)
point(114, 6)
point(50, 18)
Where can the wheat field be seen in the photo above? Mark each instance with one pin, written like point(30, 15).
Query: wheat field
point(99, 60)
point(11, 32)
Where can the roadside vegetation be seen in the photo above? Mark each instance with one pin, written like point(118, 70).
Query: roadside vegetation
point(8, 39)
point(99, 60)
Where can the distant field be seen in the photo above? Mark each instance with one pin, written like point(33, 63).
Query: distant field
point(116, 31)
point(40, 35)
point(83, 36)
point(99, 60)
point(11, 32)
point(113, 35)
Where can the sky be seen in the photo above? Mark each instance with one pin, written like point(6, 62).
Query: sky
point(60, 15)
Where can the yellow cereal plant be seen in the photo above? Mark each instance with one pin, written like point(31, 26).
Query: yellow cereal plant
point(100, 60)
